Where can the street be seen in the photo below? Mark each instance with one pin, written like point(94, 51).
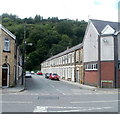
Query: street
point(44, 95)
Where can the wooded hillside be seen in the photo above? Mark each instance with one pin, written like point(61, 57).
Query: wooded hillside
point(48, 36)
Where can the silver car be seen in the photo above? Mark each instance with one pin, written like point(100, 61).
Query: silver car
point(28, 74)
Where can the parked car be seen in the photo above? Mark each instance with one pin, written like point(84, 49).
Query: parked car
point(54, 76)
point(47, 75)
point(32, 72)
point(39, 73)
point(28, 74)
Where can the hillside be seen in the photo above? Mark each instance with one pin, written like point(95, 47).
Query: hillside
point(48, 36)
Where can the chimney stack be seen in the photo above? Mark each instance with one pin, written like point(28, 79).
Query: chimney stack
point(67, 47)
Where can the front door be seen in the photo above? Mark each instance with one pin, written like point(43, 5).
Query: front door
point(4, 77)
point(77, 76)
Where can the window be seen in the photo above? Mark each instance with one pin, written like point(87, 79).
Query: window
point(91, 66)
point(6, 44)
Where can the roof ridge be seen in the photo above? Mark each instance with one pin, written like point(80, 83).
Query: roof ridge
point(100, 24)
point(103, 20)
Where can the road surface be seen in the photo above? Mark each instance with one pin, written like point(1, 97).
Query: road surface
point(44, 95)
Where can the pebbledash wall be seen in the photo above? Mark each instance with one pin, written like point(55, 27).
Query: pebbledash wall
point(7, 57)
point(100, 56)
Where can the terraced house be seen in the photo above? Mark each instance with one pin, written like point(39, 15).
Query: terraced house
point(67, 64)
point(8, 58)
point(95, 62)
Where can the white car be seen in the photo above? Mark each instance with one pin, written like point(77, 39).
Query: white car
point(32, 72)
point(28, 74)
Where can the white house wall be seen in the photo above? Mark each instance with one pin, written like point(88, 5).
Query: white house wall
point(63, 66)
point(90, 47)
point(107, 48)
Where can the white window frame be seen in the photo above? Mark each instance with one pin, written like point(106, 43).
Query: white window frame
point(91, 66)
point(6, 44)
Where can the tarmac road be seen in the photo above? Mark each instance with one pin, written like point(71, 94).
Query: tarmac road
point(44, 95)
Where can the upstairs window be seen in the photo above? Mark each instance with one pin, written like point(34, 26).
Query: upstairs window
point(6, 44)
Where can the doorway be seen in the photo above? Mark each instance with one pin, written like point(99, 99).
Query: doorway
point(77, 75)
point(5, 75)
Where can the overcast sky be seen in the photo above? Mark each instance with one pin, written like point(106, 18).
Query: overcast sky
point(72, 9)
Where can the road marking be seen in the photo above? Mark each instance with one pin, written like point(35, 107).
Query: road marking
point(52, 86)
point(94, 101)
point(17, 102)
point(40, 109)
point(44, 94)
point(67, 109)
point(60, 91)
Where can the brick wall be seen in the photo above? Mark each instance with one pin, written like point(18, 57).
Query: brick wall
point(107, 72)
point(91, 78)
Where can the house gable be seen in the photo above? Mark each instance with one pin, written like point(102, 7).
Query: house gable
point(108, 30)
point(90, 47)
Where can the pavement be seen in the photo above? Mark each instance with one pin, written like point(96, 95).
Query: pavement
point(80, 85)
point(16, 89)
point(92, 88)
point(20, 88)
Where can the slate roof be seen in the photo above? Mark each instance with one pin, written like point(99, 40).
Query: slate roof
point(99, 24)
point(7, 31)
point(66, 51)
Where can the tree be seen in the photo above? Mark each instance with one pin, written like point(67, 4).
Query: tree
point(64, 28)
point(38, 18)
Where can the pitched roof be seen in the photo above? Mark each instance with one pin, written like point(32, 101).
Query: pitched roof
point(7, 31)
point(99, 24)
point(66, 51)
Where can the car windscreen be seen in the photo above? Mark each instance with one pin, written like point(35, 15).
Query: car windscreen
point(55, 74)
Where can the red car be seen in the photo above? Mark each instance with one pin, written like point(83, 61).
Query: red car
point(54, 76)
point(39, 73)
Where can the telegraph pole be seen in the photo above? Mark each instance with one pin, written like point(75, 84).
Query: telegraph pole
point(24, 45)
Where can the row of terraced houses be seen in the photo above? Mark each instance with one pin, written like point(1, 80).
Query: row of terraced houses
point(96, 61)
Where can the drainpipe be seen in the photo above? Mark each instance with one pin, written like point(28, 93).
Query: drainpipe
point(99, 61)
point(115, 61)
